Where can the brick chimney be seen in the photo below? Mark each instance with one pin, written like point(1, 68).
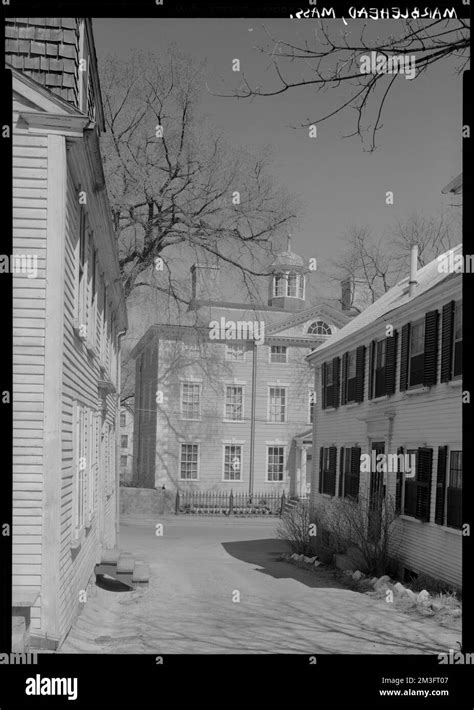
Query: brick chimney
point(206, 282)
point(355, 294)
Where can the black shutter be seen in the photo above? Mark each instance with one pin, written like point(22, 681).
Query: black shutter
point(321, 460)
point(355, 472)
point(370, 389)
point(423, 480)
point(441, 484)
point(430, 364)
point(331, 489)
point(360, 367)
point(404, 352)
point(398, 488)
point(447, 342)
point(323, 386)
point(344, 378)
point(341, 469)
point(390, 362)
point(336, 375)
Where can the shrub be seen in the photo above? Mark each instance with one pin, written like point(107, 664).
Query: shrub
point(348, 523)
point(294, 527)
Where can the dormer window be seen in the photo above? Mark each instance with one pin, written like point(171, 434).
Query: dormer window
point(319, 328)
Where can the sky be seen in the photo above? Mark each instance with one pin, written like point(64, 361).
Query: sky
point(340, 185)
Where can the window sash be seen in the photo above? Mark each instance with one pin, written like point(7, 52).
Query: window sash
point(191, 400)
point(235, 353)
point(277, 404)
point(278, 353)
point(275, 463)
point(189, 462)
point(234, 403)
point(232, 452)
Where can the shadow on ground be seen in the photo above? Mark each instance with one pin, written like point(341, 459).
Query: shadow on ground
point(266, 554)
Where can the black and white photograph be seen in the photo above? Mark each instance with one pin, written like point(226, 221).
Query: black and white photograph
point(234, 284)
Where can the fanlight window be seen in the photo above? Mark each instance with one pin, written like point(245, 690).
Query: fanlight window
point(319, 328)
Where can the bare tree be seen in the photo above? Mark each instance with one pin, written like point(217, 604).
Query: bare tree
point(172, 179)
point(368, 262)
point(329, 60)
point(433, 235)
point(375, 265)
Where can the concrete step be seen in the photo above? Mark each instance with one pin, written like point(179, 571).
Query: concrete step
point(110, 556)
point(20, 639)
point(141, 573)
point(125, 564)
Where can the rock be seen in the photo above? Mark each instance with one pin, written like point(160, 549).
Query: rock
point(437, 606)
point(411, 594)
point(356, 559)
point(456, 612)
point(382, 582)
point(374, 581)
point(316, 563)
point(308, 560)
point(399, 588)
point(344, 563)
point(423, 596)
point(357, 575)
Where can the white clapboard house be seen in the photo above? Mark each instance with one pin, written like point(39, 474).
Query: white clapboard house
point(69, 314)
point(390, 381)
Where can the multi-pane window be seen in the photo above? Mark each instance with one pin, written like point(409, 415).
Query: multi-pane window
point(295, 285)
point(189, 462)
point(234, 399)
point(312, 403)
point(277, 404)
point(289, 284)
point(319, 328)
point(417, 350)
point(380, 355)
point(124, 441)
point(329, 374)
point(278, 353)
point(85, 466)
point(279, 286)
point(454, 492)
point(232, 462)
point(123, 460)
point(457, 339)
point(275, 463)
point(327, 470)
point(82, 285)
point(191, 400)
point(235, 352)
point(123, 419)
point(110, 466)
point(351, 376)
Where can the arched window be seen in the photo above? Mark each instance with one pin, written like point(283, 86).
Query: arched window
point(319, 328)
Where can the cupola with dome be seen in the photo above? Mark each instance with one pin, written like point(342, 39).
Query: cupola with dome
point(287, 281)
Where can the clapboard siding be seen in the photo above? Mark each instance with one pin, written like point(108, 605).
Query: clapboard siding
point(159, 431)
point(30, 158)
point(430, 418)
point(80, 377)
